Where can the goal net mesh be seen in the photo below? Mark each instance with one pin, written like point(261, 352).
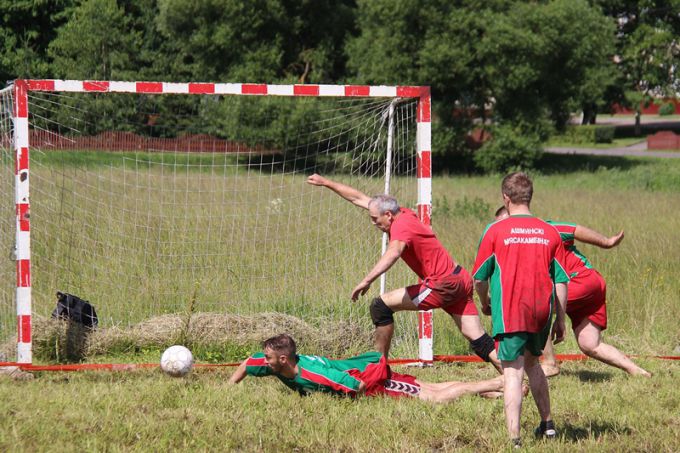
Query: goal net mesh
point(148, 205)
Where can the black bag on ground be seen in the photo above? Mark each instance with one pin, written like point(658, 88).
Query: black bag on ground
point(76, 309)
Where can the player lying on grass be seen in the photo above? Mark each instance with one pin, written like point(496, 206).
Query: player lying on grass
point(366, 374)
point(444, 283)
point(586, 299)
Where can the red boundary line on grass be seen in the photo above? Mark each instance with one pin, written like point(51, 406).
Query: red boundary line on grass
point(135, 366)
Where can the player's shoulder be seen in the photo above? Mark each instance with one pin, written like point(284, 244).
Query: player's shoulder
point(561, 225)
point(496, 224)
point(408, 214)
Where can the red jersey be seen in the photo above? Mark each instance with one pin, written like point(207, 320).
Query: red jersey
point(424, 254)
point(576, 261)
point(523, 257)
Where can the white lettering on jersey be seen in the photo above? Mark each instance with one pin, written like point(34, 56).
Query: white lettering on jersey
point(524, 240)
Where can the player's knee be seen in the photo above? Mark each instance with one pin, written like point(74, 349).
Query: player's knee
point(381, 314)
point(588, 347)
point(483, 346)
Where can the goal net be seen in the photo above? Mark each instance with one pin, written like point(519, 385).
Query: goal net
point(153, 200)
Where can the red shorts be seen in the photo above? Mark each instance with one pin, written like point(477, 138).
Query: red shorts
point(396, 386)
point(453, 294)
point(373, 376)
point(587, 293)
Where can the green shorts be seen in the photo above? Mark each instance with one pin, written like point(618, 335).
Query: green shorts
point(510, 346)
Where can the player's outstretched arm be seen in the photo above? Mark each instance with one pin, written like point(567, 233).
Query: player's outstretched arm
point(559, 329)
point(392, 254)
point(588, 236)
point(350, 194)
point(240, 373)
point(482, 289)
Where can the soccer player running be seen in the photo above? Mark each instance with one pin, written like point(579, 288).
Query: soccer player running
point(524, 259)
point(586, 299)
point(445, 284)
point(367, 374)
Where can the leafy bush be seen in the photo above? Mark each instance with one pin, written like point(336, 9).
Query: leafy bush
point(604, 134)
point(667, 108)
point(583, 135)
point(509, 149)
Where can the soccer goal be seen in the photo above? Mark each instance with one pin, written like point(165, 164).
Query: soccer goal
point(153, 199)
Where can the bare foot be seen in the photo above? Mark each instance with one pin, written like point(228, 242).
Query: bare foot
point(16, 373)
point(550, 370)
point(491, 395)
point(641, 372)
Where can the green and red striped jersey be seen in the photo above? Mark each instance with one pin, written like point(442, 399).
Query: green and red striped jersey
point(522, 257)
point(320, 374)
point(575, 260)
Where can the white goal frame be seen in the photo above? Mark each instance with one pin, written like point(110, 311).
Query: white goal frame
point(22, 87)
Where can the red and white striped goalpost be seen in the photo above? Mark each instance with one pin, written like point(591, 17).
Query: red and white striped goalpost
point(21, 143)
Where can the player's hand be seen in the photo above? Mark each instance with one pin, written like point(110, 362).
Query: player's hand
point(614, 240)
point(316, 180)
point(360, 289)
point(558, 331)
point(486, 309)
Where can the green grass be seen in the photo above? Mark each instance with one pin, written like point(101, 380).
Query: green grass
point(595, 408)
point(136, 253)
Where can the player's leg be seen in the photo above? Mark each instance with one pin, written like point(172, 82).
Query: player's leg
point(455, 296)
point(445, 392)
point(538, 384)
point(549, 363)
point(471, 327)
point(513, 373)
point(589, 319)
point(510, 349)
point(382, 311)
point(589, 338)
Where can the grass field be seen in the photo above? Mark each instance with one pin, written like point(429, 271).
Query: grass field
point(596, 407)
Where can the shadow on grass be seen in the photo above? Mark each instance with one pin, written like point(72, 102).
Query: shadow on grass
point(588, 376)
point(567, 163)
point(594, 431)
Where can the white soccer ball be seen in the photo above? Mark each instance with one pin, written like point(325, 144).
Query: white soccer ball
point(177, 361)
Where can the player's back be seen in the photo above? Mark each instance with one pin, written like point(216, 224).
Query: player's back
point(523, 249)
point(424, 254)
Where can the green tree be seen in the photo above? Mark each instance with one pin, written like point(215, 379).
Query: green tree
point(544, 60)
point(526, 60)
point(647, 51)
point(26, 29)
point(96, 43)
point(432, 42)
point(256, 40)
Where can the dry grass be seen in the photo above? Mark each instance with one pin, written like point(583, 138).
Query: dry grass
point(66, 341)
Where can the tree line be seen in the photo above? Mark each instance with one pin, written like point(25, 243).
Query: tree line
point(526, 65)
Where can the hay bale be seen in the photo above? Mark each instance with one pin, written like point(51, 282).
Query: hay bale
point(60, 340)
point(55, 339)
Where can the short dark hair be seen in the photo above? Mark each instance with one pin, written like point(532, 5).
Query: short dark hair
point(281, 344)
point(500, 211)
point(518, 187)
